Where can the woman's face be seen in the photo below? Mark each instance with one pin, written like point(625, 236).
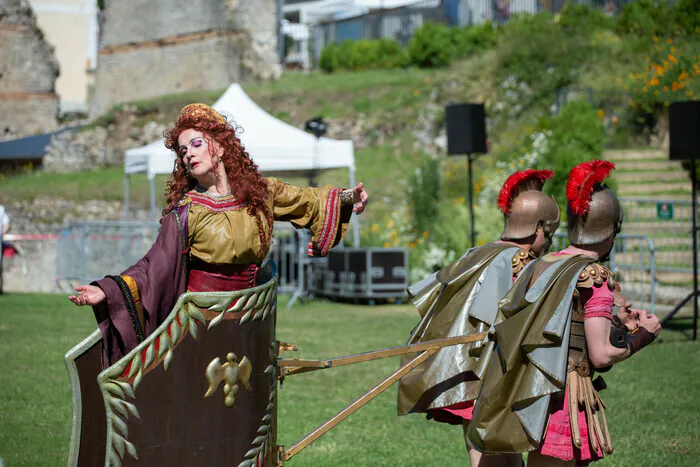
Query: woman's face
point(198, 154)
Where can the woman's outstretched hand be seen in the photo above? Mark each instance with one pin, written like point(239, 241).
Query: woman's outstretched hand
point(87, 295)
point(359, 196)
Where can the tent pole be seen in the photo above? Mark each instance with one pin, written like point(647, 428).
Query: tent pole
point(127, 196)
point(355, 221)
point(152, 182)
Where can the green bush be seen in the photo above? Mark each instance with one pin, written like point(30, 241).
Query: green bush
point(424, 194)
point(686, 17)
point(363, 54)
point(469, 40)
point(431, 46)
point(390, 54)
point(329, 60)
point(644, 17)
point(581, 18)
point(575, 135)
point(536, 57)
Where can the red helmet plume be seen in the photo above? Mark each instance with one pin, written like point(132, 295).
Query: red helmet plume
point(510, 187)
point(582, 180)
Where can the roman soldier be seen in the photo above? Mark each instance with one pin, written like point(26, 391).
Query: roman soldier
point(557, 330)
point(462, 299)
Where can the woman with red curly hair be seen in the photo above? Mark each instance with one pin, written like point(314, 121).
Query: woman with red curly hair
point(215, 232)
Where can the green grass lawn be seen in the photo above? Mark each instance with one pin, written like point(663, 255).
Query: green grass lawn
point(653, 400)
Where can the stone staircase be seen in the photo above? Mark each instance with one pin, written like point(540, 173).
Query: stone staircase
point(648, 174)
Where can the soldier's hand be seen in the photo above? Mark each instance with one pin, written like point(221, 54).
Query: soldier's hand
point(650, 322)
point(629, 316)
point(87, 295)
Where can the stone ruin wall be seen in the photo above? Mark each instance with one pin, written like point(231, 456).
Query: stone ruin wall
point(162, 47)
point(28, 72)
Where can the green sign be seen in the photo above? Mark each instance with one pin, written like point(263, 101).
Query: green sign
point(664, 211)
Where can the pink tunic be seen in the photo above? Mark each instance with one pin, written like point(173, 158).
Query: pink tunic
point(558, 442)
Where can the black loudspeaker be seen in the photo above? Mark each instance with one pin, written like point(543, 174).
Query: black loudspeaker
point(364, 273)
point(684, 130)
point(466, 129)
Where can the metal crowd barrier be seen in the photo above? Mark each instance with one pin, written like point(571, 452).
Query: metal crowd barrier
point(87, 251)
point(633, 260)
point(669, 224)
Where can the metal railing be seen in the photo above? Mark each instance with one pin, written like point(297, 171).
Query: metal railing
point(669, 224)
point(87, 251)
point(633, 260)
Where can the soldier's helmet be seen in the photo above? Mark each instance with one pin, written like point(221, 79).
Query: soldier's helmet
point(593, 210)
point(525, 207)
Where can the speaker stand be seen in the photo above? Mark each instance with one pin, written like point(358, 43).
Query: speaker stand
point(471, 200)
point(695, 294)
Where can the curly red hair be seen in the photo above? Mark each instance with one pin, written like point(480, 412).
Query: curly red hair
point(244, 178)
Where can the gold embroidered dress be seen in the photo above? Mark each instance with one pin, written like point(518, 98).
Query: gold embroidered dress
point(209, 244)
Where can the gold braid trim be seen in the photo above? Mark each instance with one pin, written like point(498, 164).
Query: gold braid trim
point(520, 260)
point(134, 289)
point(185, 200)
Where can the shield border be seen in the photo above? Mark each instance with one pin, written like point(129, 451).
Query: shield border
point(120, 379)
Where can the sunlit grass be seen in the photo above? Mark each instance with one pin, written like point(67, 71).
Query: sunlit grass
point(653, 399)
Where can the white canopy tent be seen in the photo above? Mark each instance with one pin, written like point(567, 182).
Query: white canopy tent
point(278, 148)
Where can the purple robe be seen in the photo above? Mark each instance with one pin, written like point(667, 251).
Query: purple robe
point(161, 276)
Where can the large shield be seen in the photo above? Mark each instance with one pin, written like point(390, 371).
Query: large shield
point(199, 391)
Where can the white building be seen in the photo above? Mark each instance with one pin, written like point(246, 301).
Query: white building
point(71, 27)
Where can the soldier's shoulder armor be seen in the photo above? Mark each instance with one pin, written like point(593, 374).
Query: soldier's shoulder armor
point(596, 274)
point(520, 260)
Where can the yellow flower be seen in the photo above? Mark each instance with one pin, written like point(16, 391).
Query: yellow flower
point(416, 92)
point(390, 224)
point(425, 234)
point(644, 89)
point(461, 199)
point(669, 40)
point(654, 81)
point(665, 88)
point(683, 76)
point(672, 59)
point(387, 244)
point(375, 227)
point(656, 39)
point(601, 113)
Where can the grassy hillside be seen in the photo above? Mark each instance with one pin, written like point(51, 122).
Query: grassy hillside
point(619, 76)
